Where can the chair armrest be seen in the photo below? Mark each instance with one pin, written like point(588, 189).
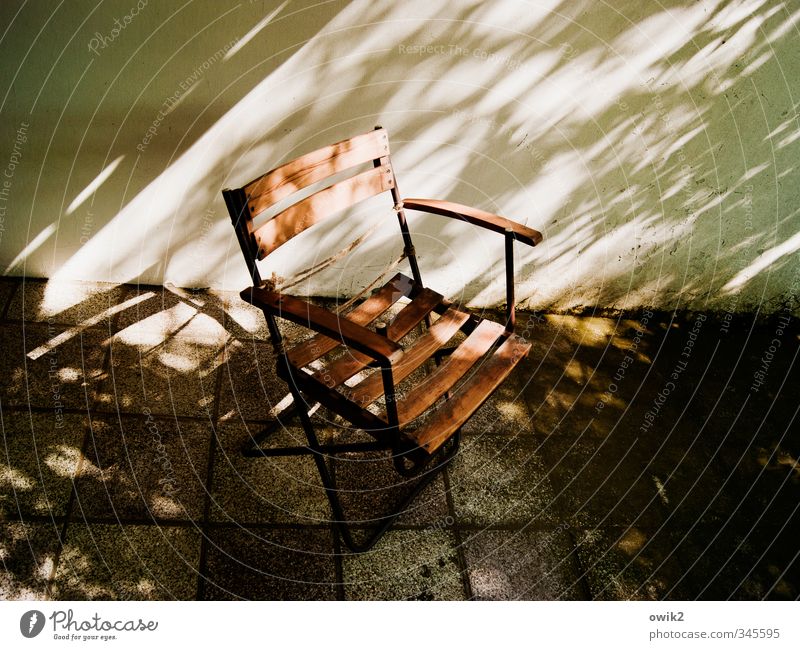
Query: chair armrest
point(476, 217)
point(320, 320)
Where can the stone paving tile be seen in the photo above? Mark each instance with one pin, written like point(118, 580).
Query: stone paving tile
point(692, 489)
point(140, 468)
point(113, 562)
point(630, 564)
point(745, 464)
point(250, 389)
point(701, 501)
point(765, 483)
point(740, 559)
point(156, 310)
point(66, 303)
point(405, 565)
point(495, 481)
point(27, 554)
point(237, 316)
point(261, 564)
point(585, 374)
point(768, 436)
point(721, 365)
point(371, 489)
point(601, 483)
point(38, 460)
point(523, 565)
point(505, 412)
point(166, 310)
point(265, 490)
point(44, 370)
point(739, 414)
point(175, 376)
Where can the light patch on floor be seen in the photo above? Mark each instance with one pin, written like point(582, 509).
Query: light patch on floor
point(14, 479)
point(63, 460)
point(662, 492)
point(68, 375)
point(633, 541)
point(512, 411)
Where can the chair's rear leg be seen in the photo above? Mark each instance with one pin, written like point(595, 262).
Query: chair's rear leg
point(386, 521)
point(329, 484)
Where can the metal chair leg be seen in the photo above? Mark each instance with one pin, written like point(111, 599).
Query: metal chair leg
point(319, 453)
point(252, 448)
point(345, 531)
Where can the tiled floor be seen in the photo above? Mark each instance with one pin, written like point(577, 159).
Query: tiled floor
point(623, 460)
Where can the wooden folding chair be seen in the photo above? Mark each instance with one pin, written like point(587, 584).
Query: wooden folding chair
point(420, 423)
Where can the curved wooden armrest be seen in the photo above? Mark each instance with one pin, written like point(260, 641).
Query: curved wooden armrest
point(476, 217)
point(320, 320)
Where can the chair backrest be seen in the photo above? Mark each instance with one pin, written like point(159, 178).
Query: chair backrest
point(245, 204)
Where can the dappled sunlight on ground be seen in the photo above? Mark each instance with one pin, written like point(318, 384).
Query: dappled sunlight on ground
point(632, 455)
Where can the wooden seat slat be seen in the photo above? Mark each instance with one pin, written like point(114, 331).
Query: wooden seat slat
point(449, 417)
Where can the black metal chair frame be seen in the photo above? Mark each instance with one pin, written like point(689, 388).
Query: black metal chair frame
point(409, 460)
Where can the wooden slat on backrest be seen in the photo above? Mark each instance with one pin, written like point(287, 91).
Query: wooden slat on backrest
point(313, 167)
point(295, 219)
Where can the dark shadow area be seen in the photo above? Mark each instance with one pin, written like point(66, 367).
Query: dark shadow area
point(647, 456)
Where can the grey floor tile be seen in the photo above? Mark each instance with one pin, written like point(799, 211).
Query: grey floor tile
point(265, 490)
point(250, 389)
point(495, 480)
point(693, 486)
point(27, 554)
point(584, 374)
point(700, 503)
point(38, 460)
point(154, 308)
point(50, 366)
point(144, 468)
point(112, 562)
point(166, 310)
point(167, 376)
point(523, 565)
point(158, 311)
point(240, 318)
point(371, 489)
point(8, 287)
point(630, 564)
point(405, 565)
point(603, 482)
point(505, 412)
point(745, 558)
point(260, 564)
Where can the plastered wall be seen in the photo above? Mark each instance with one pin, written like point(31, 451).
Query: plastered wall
point(656, 145)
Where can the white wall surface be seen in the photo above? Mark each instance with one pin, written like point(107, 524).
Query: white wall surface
point(655, 144)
